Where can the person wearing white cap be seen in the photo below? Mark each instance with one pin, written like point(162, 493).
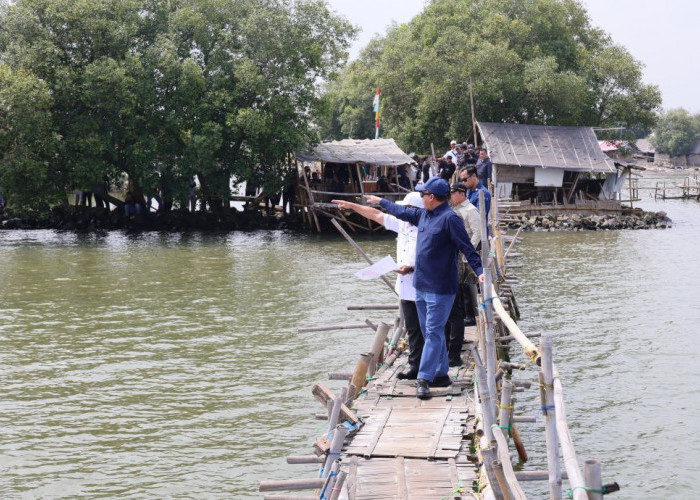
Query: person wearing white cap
point(406, 259)
point(452, 153)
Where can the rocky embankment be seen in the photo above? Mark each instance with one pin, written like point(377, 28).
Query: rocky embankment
point(69, 218)
point(634, 220)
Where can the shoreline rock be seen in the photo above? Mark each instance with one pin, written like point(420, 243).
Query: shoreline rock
point(573, 222)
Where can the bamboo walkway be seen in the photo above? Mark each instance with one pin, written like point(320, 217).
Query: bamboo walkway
point(384, 443)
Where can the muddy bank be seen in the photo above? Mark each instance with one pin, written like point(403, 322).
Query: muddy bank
point(69, 218)
point(635, 220)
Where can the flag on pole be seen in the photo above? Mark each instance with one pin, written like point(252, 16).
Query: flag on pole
point(376, 113)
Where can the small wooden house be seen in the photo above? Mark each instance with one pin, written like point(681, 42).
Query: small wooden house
point(543, 169)
point(348, 169)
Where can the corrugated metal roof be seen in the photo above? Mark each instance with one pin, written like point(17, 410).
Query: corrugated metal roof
point(568, 148)
point(645, 146)
point(372, 151)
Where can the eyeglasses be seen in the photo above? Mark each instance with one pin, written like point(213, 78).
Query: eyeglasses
point(424, 193)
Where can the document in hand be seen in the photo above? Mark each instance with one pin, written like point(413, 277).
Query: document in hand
point(377, 269)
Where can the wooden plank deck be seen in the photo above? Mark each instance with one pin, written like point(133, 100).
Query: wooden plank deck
point(410, 448)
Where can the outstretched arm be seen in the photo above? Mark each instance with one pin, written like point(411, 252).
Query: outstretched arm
point(370, 213)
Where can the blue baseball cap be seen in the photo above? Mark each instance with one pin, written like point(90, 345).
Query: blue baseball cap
point(436, 185)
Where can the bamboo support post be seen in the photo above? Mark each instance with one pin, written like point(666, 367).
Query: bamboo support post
point(593, 479)
point(338, 486)
point(504, 458)
point(494, 472)
point(374, 307)
point(359, 376)
point(335, 413)
point(305, 459)
point(398, 331)
point(518, 442)
point(359, 250)
point(332, 327)
point(548, 408)
point(487, 402)
point(352, 390)
point(505, 408)
point(497, 468)
point(534, 475)
point(292, 484)
point(330, 478)
point(378, 347)
point(573, 470)
point(336, 445)
point(487, 306)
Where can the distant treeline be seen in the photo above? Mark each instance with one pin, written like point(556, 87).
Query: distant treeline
point(163, 90)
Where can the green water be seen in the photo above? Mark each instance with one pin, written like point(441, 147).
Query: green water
point(170, 366)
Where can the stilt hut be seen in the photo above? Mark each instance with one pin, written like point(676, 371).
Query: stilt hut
point(540, 169)
point(349, 169)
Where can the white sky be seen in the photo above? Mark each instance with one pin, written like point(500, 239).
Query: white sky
point(662, 35)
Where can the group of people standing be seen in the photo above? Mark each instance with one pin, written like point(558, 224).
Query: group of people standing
point(434, 223)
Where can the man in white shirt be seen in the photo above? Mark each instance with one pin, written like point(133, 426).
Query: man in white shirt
point(406, 259)
point(452, 153)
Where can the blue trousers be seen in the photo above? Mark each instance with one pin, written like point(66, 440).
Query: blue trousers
point(433, 311)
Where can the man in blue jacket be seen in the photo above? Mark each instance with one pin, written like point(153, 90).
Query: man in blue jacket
point(441, 236)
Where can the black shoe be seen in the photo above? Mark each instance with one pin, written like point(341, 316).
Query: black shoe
point(469, 322)
point(423, 391)
point(441, 381)
point(410, 374)
point(455, 362)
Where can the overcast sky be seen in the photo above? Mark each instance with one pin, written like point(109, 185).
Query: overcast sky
point(664, 36)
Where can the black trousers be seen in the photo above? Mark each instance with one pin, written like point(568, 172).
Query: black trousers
point(454, 328)
point(415, 335)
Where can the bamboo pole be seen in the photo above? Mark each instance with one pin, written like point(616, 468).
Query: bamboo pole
point(528, 347)
point(359, 376)
point(335, 413)
point(497, 467)
point(518, 442)
point(373, 307)
point(397, 333)
point(593, 479)
point(548, 408)
point(573, 470)
point(331, 327)
point(378, 347)
point(330, 478)
point(305, 459)
point(359, 250)
point(505, 408)
point(504, 457)
point(336, 445)
point(534, 475)
point(338, 486)
point(487, 305)
point(292, 484)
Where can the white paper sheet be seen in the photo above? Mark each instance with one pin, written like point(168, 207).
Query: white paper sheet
point(377, 269)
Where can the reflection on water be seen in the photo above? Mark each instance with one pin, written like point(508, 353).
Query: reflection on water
point(170, 365)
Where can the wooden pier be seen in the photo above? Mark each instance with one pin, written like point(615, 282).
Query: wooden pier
point(384, 443)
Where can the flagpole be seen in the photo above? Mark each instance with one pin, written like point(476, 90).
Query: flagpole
point(376, 113)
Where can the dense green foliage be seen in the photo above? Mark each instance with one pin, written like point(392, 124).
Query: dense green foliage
point(160, 90)
point(675, 132)
point(529, 61)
